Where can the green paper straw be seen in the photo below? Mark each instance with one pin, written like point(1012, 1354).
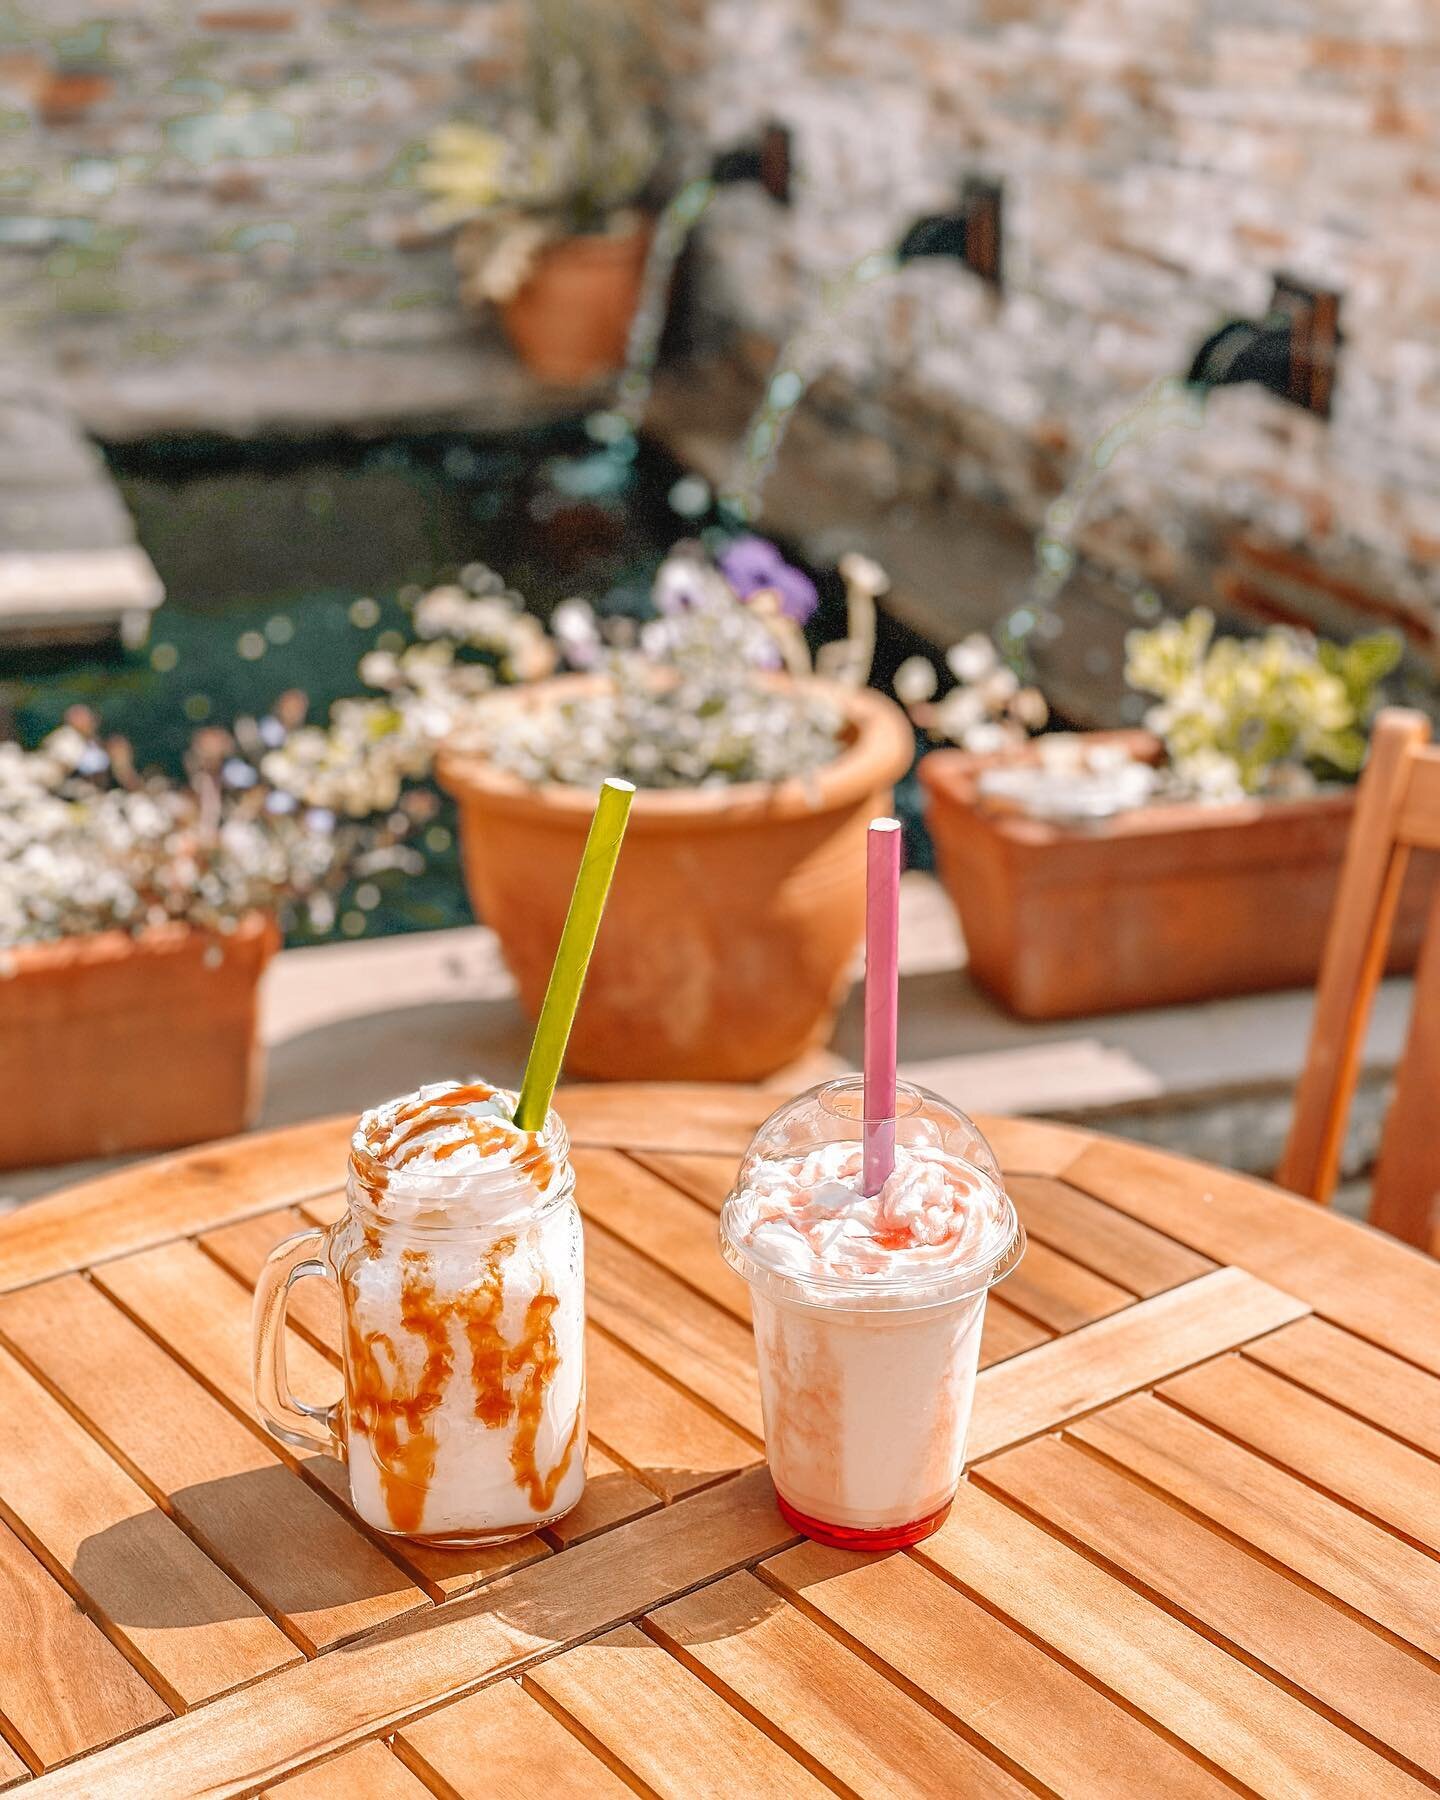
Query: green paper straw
point(572, 959)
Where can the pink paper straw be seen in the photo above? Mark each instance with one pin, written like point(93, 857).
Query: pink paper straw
point(882, 998)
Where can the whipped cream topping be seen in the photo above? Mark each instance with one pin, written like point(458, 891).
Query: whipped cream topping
point(449, 1129)
point(807, 1216)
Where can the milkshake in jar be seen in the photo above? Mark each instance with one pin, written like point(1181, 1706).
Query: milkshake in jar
point(868, 1309)
point(460, 1266)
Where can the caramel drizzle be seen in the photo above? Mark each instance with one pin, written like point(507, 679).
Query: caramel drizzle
point(397, 1418)
point(536, 1358)
point(395, 1146)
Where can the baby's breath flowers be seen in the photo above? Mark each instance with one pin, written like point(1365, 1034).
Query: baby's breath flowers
point(987, 709)
point(469, 636)
point(89, 844)
point(691, 699)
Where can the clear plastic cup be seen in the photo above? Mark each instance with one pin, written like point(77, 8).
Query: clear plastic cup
point(868, 1345)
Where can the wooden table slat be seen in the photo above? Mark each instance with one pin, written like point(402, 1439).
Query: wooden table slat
point(1366, 1381)
point(502, 1744)
point(1376, 1287)
point(784, 1667)
point(1110, 1242)
point(1312, 1642)
point(1088, 1368)
point(326, 1705)
point(666, 1725)
point(675, 1444)
point(1007, 1332)
point(1060, 1293)
point(323, 1578)
point(1256, 1731)
point(707, 1179)
point(13, 1769)
point(369, 1772)
point(191, 1630)
point(314, 1305)
point(202, 1314)
point(64, 1687)
point(169, 1197)
point(672, 1327)
point(611, 1497)
point(1336, 1451)
point(637, 1206)
point(1369, 1568)
point(667, 1116)
point(1006, 1691)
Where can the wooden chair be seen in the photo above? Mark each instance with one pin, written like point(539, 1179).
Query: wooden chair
point(1397, 810)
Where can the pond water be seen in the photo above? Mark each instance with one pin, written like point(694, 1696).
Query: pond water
point(284, 564)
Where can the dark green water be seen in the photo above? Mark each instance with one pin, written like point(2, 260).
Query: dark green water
point(284, 564)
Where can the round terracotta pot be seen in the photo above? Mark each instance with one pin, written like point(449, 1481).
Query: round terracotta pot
point(731, 931)
point(570, 321)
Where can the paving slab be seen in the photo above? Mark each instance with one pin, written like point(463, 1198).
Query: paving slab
point(70, 566)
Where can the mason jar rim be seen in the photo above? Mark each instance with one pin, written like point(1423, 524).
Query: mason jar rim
point(484, 1189)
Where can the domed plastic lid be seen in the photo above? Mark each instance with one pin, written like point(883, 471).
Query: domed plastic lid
point(798, 1223)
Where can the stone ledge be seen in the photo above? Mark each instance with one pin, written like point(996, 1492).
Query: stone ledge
point(474, 385)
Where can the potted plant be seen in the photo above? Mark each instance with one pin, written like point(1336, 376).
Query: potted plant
point(739, 902)
point(137, 915)
point(552, 226)
point(1196, 859)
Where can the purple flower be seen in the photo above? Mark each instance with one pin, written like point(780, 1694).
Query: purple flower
point(752, 565)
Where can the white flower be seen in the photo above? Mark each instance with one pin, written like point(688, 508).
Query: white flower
point(916, 681)
point(973, 658)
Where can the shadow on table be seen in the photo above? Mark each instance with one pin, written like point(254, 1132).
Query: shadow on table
point(299, 1555)
point(358, 1061)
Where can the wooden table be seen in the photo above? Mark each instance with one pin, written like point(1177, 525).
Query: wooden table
point(1199, 1546)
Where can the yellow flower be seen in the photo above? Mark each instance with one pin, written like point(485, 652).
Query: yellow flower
point(465, 169)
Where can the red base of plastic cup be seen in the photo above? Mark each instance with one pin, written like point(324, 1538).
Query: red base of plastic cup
point(846, 1537)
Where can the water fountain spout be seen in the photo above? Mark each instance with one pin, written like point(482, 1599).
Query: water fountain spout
point(1291, 351)
point(970, 235)
point(766, 161)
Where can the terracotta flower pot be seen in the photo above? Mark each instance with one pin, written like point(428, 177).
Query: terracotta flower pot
point(111, 1043)
point(732, 926)
point(1165, 904)
point(570, 321)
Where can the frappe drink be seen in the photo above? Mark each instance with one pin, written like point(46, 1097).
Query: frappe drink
point(868, 1309)
point(460, 1265)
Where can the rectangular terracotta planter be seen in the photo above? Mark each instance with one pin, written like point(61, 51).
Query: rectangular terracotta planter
point(1164, 904)
point(111, 1043)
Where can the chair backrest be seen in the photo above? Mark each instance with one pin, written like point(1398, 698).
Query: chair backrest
point(1397, 810)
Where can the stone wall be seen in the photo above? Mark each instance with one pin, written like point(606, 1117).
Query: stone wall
point(229, 178)
point(188, 184)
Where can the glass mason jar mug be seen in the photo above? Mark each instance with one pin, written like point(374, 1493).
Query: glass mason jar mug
point(463, 1307)
point(868, 1310)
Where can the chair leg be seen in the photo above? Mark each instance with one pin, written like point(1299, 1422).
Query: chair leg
point(1355, 950)
point(1406, 1201)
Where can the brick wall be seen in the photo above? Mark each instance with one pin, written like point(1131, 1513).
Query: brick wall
point(229, 179)
point(1161, 159)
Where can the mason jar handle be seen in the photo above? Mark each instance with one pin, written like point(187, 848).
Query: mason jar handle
point(292, 1421)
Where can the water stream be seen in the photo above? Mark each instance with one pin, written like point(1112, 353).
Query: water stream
point(1167, 405)
point(606, 471)
point(802, 358)
point(672, 232)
